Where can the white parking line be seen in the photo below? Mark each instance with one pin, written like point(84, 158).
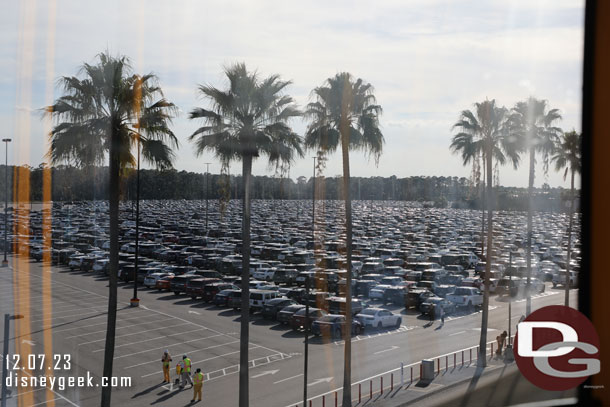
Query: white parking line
point(166, 346)
point(457, 333)
point(91, 313)
point(192, 363)
point(121, 327)
point(99, 323)
point(45, 402)
point(132, 333)
point(288, 378)
point(151, 339)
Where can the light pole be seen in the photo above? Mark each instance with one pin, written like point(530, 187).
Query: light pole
point(6, 141)
point(207, 189)
point(313, 237)
point(135, 301)
point(508, 353)
point(7, 318)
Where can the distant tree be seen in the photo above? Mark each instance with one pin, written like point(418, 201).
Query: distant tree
point(568, 156)
point(246, 120)
point(485, 132)
point(345, 113)
point(109, 112)
point(532, 124)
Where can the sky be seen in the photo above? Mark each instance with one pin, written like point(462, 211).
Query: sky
point(427, 59)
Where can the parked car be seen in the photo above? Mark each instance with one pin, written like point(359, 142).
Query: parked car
point(275, 305)
point(221, 299)
point(258, 298)
point(195, 286)
point(285, 314)
point(211, 289)
point(560, 278)
point(150, 280)
point(337, 305)
point(179, 283)
point(333, 326)
point(165, 283)
point(433, 304)
point(300, 320)
point(466, 297)
point(377, 317)
point(394, 295)
point(285, 276)
point(510, 286)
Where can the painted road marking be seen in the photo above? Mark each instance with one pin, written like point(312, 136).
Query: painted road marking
point(457, 333)
point(288, 378)
point(386, 350)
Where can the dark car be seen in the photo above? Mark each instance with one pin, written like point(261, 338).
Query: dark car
point(221, 299)
point(285, 314)
point(178, 284)
point(434, 304)
point(332, 326)
point(300, 320)
point(394, 295)
point(195, 286)
point(211, 289)
point(274, 306)
point(337, 305)
point(318, 299)
point(297, 294)
point(415, 297)
point(364, 286)
point(209, 274)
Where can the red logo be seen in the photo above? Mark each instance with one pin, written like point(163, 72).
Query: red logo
point(557, 348)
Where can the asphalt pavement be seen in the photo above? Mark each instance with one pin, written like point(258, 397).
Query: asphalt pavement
point(74, 313)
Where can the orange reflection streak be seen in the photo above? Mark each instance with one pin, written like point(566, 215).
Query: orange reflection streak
point(47, 205)
point(21, 189)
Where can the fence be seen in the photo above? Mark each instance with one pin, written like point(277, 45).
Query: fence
point(396, 379)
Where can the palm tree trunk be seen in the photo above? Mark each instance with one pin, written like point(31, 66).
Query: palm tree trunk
point(244, 337)
point(113, 267)
point(347, 358)
point(567, 282)
point(483, 192)
point(482, 359)
point(530, 193)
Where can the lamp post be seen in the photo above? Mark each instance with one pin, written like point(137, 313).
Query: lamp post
point(6, 141)
point(135, 302)
point(207, 189)
point(508, 353)
point(313, 237)
point(7, 318)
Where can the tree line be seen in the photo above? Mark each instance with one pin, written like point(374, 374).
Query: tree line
point(71, 183)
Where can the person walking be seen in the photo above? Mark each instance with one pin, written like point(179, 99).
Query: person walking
point(186, 371)
point(165, 360)
point(178, 372)
point(198, 380)
point(441, 312)
point(431, 313)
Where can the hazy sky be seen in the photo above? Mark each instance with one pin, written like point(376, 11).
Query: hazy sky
point(427, 60)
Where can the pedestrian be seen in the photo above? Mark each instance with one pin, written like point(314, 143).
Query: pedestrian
point(186, 371)
point(431, 312)
point(503, 338)
point(198, 380)
point(165, 360)
point(178, 372)
point(442, 314)
point(499, 341)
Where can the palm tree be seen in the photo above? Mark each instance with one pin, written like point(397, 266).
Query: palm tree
point(108, 112)
point(568, 156)
point(532, 123)
point(485, 132)
point(345, 112)
point(248, 119)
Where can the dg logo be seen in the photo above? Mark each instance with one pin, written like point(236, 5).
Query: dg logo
point(557, 348)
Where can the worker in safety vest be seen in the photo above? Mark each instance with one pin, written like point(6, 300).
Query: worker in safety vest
point(165, 360)
point(186, 371)
point(198, 380)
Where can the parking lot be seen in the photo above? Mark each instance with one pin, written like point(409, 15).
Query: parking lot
point(408, 251)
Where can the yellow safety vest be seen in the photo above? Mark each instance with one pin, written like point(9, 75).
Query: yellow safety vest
point(166, 360)
point(187, 365)
point(198, 379)
point(178, 368)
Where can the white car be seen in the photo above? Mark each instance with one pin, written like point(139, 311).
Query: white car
point(376, 292)
point(150, 280)
point(379, 318)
